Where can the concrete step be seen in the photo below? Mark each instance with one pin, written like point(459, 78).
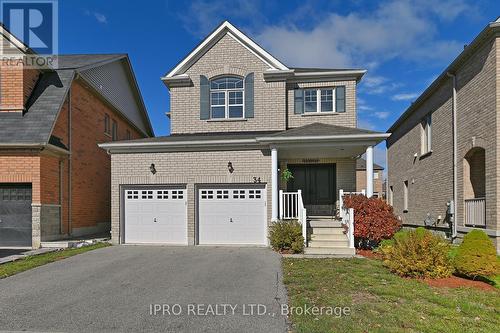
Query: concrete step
point(57, 244)
point(328, 237)
point(340, 251)
point(329, 243)
point(325, 224)
point(326, 231)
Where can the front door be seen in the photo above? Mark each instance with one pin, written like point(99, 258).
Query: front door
point(317, 182)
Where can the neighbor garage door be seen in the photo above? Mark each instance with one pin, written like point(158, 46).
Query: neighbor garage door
point(232, 215)
point(155, 215)
point(15, 215)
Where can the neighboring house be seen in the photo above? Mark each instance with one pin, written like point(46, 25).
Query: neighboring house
point(238, 117)
point(54, 179)
point(378, 178)
point(445, 148)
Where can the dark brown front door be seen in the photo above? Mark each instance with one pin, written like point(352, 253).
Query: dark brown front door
point(317, 182)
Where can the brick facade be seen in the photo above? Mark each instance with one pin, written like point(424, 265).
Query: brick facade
point(273, 101)
point(430, 177)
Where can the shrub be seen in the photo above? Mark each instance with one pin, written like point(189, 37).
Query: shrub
point(417, 253)
point(374, 220)
point(286, 236)
point(476, 256)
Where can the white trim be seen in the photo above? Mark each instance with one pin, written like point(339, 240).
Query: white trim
point(14, 40)
point(318, 101)
point(276, 64)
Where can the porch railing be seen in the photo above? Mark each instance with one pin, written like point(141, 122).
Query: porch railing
point(292, 208)
point(347, 216)
point(475, 212)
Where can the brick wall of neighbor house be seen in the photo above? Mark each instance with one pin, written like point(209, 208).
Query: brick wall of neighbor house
point(189, 168)
point(90, 165)
point(348, 118)
point(361, 181)
point(228, 57)
point(430, 177)
point(16, 85)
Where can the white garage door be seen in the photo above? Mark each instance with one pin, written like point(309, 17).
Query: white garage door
point(235, 215)
point(155, 216)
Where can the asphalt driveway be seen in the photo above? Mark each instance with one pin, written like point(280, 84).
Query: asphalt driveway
point(139, 288)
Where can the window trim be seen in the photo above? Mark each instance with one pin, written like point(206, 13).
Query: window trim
point(406, 191)
point(319, 102)
point(226, 98)
point(426, 135)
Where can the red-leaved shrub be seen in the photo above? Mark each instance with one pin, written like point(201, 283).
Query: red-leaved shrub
point(374, 220)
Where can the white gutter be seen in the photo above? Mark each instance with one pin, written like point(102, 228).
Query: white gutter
point(325, 137)
point(455, 153)
point(201, 143)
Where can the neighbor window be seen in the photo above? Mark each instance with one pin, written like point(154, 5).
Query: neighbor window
point(128, 136)
point(426, 134)
point(405, 196)
point(114, 131)
point(319, 100)
point(226, 97)
point(375, 175)
point(107, 127)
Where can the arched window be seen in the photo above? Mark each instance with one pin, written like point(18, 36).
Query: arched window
point(474, 174)
point(226, 97)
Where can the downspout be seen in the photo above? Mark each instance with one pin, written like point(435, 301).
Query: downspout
point(70, 224)
point(455, 154)
point(61, 218)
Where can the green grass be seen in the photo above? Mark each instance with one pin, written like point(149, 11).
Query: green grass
point(30, 262)
point(380, 301)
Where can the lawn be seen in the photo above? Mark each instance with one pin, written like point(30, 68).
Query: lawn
point(24, 264)
point(380, 301)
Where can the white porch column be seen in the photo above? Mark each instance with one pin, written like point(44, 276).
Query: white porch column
point(369, 171)
point(274, 183)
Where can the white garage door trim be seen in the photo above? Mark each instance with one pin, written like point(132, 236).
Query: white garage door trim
point(232, 215)
point(155, 215)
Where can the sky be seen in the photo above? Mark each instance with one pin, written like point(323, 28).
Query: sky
point(404, 44)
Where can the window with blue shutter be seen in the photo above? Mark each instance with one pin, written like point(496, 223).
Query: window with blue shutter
point(204, 98)
point(298, 101)
point(249, 101)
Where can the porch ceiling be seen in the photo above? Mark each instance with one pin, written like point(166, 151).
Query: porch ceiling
point(321, 150)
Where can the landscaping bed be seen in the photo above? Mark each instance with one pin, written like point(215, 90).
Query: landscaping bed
point(381, 301)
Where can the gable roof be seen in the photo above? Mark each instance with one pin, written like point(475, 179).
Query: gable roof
point(361, 165)
point(35, 125)
point(225, 28)
point(321, 129)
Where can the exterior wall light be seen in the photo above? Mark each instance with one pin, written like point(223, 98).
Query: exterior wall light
point(152, 168)
point(230, 167)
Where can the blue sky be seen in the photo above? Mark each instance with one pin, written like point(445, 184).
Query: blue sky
point(403, 44)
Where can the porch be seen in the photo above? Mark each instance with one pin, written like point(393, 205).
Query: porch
point(320, 161)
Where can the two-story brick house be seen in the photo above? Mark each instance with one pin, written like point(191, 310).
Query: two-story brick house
point(54, 179)
point(443, 152)
point(239, 118)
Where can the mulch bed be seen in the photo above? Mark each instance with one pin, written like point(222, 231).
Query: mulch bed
point(368, 254)
point(450, 282)
point(457, 282)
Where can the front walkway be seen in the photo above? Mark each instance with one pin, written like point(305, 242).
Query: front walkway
point(111, 289)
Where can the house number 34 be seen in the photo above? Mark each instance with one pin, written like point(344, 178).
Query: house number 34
point(256, 180)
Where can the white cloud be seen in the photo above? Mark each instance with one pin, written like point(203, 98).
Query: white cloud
point(381, 114)
point(101, 18)
point(366, 124)
point(404, 96)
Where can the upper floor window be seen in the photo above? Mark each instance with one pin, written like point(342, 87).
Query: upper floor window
point(226, 97)
point(114, 131)
point(107, 125)
point(426, 132)
point(319, 100)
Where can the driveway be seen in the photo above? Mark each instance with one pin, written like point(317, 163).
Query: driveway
point(145, 288)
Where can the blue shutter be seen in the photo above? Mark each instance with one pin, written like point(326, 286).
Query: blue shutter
point(298, 101)
point(340, 99)
point(249, 105)
point(204, 98)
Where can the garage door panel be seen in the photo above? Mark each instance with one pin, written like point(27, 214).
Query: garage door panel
point(15, 215)
point(232, 216)
point(156, 216)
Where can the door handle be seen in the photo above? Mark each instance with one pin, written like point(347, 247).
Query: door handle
point(154, 220)
point(231, 219)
